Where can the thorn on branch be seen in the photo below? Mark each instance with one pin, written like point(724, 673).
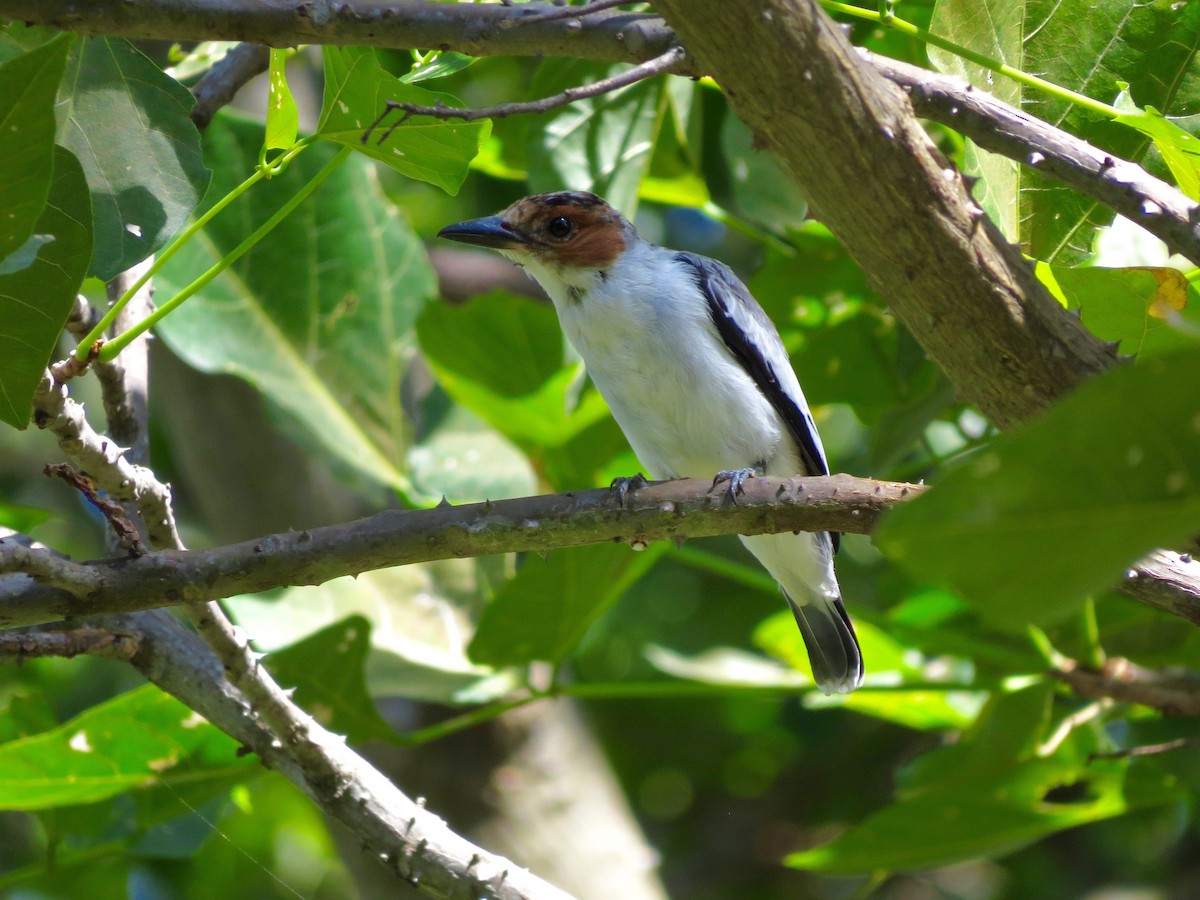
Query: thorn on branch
point(657, 66)
point(126, 532)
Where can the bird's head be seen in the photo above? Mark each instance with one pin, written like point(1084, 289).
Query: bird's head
point(560, 232)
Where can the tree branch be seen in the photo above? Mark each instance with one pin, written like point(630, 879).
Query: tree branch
point(476, 29)
point(407, 838)
point(672, 510)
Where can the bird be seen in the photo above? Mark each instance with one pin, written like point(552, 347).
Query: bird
point(696, 376)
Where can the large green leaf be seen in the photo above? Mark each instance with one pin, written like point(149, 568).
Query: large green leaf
point(1090, 47)
point(319, 315)
point(35, 299)
point(502, 357)
point(28, 85)
point(604, 144)
point(326, 669)
point(545, 611)
point(127, 121)
point(357, 89)
point(1001, 786)
point(137, 741)
point(1030, 525)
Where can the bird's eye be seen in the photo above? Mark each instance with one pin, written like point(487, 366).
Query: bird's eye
point(559, 227)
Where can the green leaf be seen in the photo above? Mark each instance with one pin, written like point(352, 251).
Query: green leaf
point(127, 121)
point(603, 144)
point(357, 89)
point(20, 518)
point(1137, 307)
point(544, 612)
point(1089, 47)
point(326, 669)
point(28, 86)
point(1047, 514)
point(447, 62)
point(319, 316)
point(993, 817)
point(1180, 150)
point(502, 357)
point(137, 741)
point(283, 119)
point(35, 301)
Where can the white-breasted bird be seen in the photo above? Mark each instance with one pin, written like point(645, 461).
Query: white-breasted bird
point(694, 373)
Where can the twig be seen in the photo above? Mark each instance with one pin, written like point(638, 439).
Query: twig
point(15, 647)
point(1173, 693)
point(45, 566)
point(126, 532)
point(649, 69)
point(1147, 749)
point(104, 461)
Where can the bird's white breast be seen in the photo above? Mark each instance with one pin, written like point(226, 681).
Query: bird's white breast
point(686, 405)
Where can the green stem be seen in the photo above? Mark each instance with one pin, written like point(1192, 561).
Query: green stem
point(979, 59)
point(117, 344)
point(466, 720)
point(182, 238)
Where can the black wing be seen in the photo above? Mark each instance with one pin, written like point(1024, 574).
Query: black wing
point(751, 337)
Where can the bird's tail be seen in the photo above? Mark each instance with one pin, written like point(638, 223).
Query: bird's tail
point(803, 566)
point(830, 640)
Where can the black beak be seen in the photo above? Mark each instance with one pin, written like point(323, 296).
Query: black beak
point(489, 231)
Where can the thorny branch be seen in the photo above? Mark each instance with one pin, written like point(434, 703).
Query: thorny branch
point(1174, 693)
point(18, 646)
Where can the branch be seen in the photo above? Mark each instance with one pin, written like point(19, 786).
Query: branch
point(672, 510)
point(227, 76)
point(649, 69)
point(407, 838)
point(475, 29)
point(1125, 187)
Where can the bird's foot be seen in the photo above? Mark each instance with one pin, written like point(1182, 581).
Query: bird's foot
point(622, 486)
point(736, 479)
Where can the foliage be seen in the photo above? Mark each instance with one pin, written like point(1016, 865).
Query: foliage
point(354, 388)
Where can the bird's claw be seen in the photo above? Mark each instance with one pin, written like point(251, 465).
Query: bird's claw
point(622, 486)
point(736, 479)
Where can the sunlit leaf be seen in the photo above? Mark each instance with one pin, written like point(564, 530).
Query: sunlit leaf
point(136, 207)
point(135, 741)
